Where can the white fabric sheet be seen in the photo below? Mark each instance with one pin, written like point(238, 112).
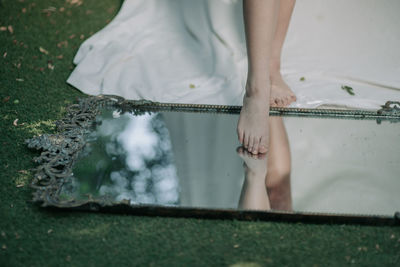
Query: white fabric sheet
point(160, 49)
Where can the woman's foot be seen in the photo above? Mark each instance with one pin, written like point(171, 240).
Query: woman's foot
point(281, 95)
point(252, 128)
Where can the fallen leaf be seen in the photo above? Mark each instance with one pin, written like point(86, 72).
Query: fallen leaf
point(75, 2)
point(44, 51)
point(19, 80)
point(82, 37)
point(23, 171)
point(192, 86)
point(62, 9)
point(348, 89)
point(15, 123)
point(302, 79)
point(23, 10)
point(10, 29)
point(6, 99)
point(50, 66)
point(50, 231)
point(3, 28)
point(49, 9)
point(20, 185)
point(72, 36)
point(236, 246)
point(62, 44)
point(5, 55)
point(60, 56)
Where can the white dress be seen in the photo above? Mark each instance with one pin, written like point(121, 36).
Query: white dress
point(193, 51)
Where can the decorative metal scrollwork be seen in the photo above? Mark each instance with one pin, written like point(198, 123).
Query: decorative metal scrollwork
point(390, 108)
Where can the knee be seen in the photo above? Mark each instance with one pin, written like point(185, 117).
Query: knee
point(277, 174)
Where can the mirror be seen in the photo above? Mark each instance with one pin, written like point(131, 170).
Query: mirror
point(166, 158)
point(193, 160)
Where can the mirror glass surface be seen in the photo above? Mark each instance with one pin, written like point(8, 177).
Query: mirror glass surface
point(194, 160)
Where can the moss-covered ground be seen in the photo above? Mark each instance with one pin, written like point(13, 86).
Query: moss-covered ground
point(38, 39)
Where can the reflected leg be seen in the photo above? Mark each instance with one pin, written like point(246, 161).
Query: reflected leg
point(281, 95)
point(254, 193)
point(277, 179)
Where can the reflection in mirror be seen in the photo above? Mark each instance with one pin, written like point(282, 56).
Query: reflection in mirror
point(194, 160)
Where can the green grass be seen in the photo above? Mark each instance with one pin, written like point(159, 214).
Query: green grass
point(32, 236)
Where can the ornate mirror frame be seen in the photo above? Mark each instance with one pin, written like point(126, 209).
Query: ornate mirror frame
point(60, 150)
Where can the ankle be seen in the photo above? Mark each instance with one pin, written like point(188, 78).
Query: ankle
point(257, 89)
point(275, 67)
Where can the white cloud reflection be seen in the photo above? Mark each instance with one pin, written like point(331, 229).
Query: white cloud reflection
point(151, 183)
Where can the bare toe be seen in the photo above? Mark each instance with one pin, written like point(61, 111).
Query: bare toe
point(256, 144)
point(240, 136)
point(251, 144)
point(281, 92)
point(263, 148)
point(287, 101)
point(246, 141)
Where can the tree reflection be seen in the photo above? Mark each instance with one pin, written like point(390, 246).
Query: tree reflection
point(127, 157)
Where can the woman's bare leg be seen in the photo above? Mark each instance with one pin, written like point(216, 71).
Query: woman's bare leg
point(267, 178)
point(277, 179)
point(281, 95)
point(260, 17)
point(254, 195)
